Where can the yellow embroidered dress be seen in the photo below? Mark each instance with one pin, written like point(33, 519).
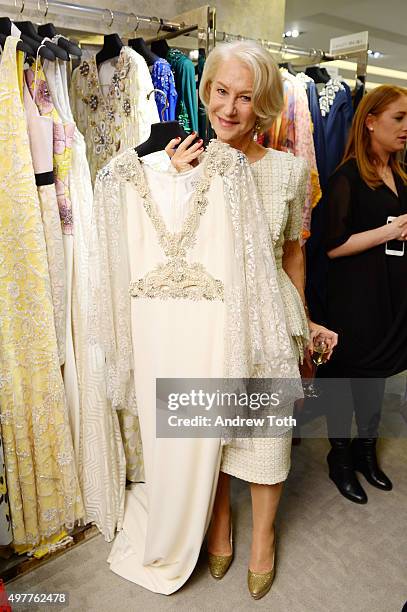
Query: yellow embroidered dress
point(43, 487)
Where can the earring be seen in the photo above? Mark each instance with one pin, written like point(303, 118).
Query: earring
point(256, 130)
point(371, 129)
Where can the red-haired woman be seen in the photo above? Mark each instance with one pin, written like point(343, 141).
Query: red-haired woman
point(365, 230)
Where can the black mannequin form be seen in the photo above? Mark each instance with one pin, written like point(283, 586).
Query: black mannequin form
point(139, 45)
point(112, 45)
point(49, 30)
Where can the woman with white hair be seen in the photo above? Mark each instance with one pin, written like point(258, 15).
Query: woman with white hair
point(242, 90)
point(210, 298)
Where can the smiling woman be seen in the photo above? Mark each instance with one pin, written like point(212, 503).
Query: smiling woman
point(241, 87)
point(242, 90)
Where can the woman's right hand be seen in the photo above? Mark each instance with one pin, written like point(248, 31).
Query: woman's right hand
point(186, 155)
point(397, 229)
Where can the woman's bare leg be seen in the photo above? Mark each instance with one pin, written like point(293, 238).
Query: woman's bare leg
point(218, 532)
point(265, 500)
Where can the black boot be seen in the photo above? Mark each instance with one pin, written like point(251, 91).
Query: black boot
point(342, 473)
point(365, 461)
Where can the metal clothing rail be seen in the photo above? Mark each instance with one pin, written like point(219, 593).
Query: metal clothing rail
point(315, 55)
point(275, 47)
point(75, 16)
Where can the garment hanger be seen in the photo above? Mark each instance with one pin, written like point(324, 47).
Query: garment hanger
point(45, 52)
point(139, 45)
point(161, 133)
point(112, 45)
point(21, 45)
point(160, 47)
point(326, 73)
point(317, 75)
point(27, 28)
point(48, 29)
point(289, 67)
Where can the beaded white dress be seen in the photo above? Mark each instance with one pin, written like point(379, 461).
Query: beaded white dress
point(184, 284)
point(281, 180)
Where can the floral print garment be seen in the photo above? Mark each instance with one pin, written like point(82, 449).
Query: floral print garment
point(292, 132)
point(119, 119)
point(63, 134)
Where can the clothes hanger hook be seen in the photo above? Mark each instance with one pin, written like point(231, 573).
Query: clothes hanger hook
point(159, 21)
point(46, 4)
point(165, 98)
point(111, 17)
point(160, 26)
point(128, 21)
point(22, 6)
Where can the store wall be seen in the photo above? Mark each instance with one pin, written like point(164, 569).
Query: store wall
point(254, 18)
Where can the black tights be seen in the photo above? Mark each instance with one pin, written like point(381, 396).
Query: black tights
point(344, 396)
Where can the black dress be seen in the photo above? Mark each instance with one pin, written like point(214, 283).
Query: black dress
point(367, 292)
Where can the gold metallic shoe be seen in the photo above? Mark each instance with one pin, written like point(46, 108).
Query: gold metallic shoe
point(260, 583)
point(219, 564)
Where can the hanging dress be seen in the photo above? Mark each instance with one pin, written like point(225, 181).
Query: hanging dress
point(292, 132)
point(6, 534)
point(43, 487)
point(40, 131)
point(185, 83)
point(54, 88)
point(163, 79)
point(189, 290)
point(112, 111)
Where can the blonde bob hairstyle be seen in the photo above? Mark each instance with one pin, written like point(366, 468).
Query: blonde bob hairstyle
point(268, 93)
point(359, 143)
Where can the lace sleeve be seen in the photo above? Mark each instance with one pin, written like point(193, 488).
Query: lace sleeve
point(109, 300)
point(297, 191)
point(337, 213)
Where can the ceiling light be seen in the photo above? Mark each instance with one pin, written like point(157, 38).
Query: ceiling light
point(371, 70)
point(295, 33)
point(287, 34)
point(374, 54)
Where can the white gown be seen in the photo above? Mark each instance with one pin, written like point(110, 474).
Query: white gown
point(221, 317)
point(161, 329)
point(76, 244)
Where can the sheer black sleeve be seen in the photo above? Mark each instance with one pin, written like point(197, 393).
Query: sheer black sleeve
point(338, 212)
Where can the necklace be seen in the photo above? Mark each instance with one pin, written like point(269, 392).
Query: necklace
point(384, 172)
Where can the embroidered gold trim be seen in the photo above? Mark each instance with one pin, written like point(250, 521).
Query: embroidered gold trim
point(178, 279)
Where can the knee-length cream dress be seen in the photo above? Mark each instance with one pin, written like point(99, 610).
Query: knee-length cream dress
point(281, 180)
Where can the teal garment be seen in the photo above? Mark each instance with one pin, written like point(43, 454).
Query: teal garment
point(187, 105)
point(202, 119)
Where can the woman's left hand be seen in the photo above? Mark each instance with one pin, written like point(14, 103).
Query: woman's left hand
point(320, 333)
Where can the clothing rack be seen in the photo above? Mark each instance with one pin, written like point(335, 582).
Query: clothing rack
point(315, 56)
point(108, 19)
point(274, 47)
point(69, 17)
